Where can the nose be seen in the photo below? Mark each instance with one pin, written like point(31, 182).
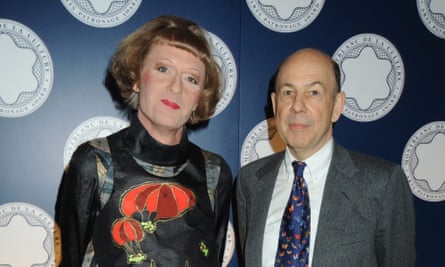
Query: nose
point(298, 104)
point(176, 84)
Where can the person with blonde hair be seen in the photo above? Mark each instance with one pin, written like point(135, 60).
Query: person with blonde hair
point(146, 195)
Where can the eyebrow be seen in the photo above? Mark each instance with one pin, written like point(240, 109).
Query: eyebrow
point(304, 86)
point(188, 68)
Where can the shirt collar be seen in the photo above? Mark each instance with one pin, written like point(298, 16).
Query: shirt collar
point(143, 146)
point(317, 165)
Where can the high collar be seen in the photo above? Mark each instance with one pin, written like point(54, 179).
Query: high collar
point(143, 146)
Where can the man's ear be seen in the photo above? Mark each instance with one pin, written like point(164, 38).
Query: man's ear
point(338, 106)
point(273, 99)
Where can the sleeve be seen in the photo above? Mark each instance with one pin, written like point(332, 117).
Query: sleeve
point(396, 229)
point(222, 200)
point(77, 204)
point(240, 217)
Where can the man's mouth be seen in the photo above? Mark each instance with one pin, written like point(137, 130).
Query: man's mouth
point(170, 104)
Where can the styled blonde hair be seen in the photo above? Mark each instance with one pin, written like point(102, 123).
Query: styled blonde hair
point(175, 31)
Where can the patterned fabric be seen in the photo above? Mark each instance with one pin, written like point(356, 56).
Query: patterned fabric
point(162, 171)
point(92, 181)
point(105, 172)
point(293, 246)
point(152, 220)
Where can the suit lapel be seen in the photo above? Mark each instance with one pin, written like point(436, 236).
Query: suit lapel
point(336, 205)
point(261, 197)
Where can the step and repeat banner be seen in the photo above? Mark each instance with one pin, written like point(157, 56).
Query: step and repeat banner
point(53, 95)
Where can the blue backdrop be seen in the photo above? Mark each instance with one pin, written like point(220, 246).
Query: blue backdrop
point(72, 48)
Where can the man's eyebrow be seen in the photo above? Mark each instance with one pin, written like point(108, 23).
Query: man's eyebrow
point(315, 83)
point(308, 85)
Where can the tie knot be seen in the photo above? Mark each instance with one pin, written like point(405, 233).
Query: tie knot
point(298, 168)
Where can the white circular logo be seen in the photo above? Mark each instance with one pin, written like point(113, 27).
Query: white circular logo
point(26, 70)
point(422, 162)
point(26, 236)
point(262, 140)
point(372, 76)
point(226, 62)
point(102, 13)
point(90, 129)
point(230, 245)
point(285, 15)
point(432, 13)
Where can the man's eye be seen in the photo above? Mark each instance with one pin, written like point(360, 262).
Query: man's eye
point(314, 93)
point(287, 92)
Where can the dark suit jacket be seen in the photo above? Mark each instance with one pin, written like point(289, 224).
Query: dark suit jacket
point(366, 217)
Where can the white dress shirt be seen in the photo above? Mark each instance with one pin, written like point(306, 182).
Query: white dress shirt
point(315, 174)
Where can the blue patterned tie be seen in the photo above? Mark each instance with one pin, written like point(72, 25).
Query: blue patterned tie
point(293, 246)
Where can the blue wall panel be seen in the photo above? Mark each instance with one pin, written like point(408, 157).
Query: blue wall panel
point(32, 146)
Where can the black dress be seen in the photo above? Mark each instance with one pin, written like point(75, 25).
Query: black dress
point(162, 210)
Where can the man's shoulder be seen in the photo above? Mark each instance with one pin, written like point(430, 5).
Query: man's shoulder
point(352, 161)
point(267, 162)
point(361, 158)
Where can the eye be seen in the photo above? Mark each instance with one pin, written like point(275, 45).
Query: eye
point(287, 92)
point(192, 79)
point(163, 69)
point(314, 92)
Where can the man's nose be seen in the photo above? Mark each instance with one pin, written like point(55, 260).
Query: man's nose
point(298, 104)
